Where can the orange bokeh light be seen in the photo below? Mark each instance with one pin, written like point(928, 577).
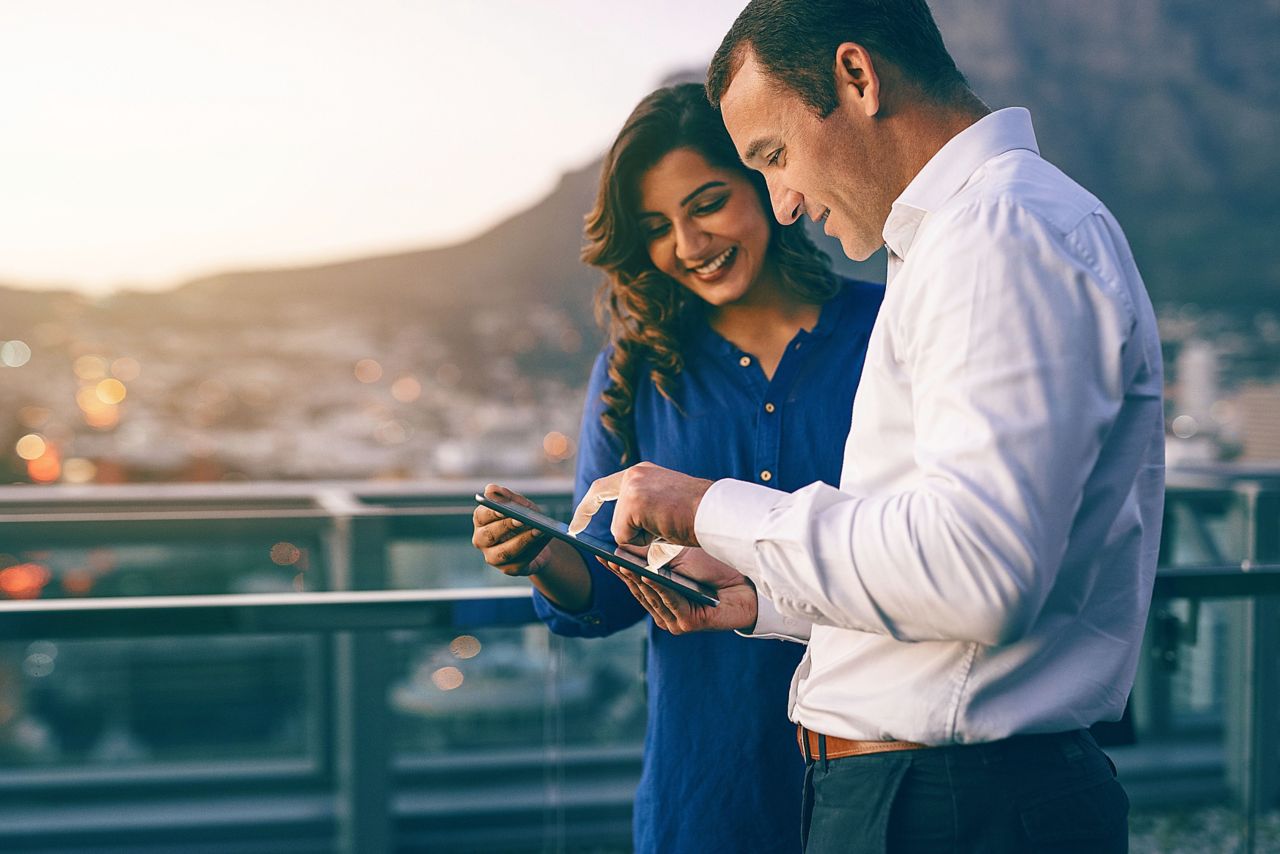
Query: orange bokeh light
point(24, 580)
point(110, 391)
point(78, 582)
point(46, 468)
point(406, 389)
point(557, 445)
point(285, 554)
point(447, 678)
point(368, 371)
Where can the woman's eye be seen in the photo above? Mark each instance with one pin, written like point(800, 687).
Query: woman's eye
point(656, 231)
point(711, 206)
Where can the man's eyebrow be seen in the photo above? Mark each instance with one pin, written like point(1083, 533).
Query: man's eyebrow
point(754, 149)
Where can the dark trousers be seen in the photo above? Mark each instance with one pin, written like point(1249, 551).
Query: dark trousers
point(1043, 793)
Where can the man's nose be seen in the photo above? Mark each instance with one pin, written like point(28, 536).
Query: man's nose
point(788, 205)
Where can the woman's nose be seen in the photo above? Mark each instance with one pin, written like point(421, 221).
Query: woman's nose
point(691, 241)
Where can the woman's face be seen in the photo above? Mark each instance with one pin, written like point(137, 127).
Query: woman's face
point(704, 226)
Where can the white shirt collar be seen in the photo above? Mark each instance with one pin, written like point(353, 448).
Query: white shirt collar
point(952, 167)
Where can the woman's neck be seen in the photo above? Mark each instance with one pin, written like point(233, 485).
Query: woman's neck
point(764, 322)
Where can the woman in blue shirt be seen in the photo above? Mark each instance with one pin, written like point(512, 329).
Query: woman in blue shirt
point(733, 352)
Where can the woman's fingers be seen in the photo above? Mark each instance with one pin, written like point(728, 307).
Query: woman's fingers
point(515, 547)
point(496, 531)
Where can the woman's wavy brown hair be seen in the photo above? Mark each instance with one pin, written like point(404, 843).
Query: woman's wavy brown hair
point(648, 315)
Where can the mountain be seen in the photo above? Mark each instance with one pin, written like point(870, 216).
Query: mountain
point(1167, 110)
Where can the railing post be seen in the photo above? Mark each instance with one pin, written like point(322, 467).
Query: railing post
point(1261, 695)
point(1151, 701)
point(362, 726)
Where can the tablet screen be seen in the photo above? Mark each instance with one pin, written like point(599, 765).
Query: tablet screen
point(688, 587)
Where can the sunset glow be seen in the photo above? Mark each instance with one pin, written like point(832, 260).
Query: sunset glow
point(150, 142)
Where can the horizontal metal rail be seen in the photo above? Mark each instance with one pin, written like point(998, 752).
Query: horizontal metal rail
point(261, 613)
point(291, 613)
point(1217, 582)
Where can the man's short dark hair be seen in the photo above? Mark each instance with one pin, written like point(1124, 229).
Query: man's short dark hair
point(795, 42)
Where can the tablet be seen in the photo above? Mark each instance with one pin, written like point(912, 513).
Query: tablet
point(695, 591)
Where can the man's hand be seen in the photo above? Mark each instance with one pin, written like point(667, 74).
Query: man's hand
point(652, 502)
point(678, 615)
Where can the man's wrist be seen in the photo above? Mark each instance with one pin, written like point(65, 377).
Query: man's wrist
point(755, 617)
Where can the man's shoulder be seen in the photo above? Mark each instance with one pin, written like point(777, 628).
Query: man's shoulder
point(1024, 183)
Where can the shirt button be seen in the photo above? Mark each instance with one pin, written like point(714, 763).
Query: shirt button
point(745, 361)
point(769, 407)
point(766, 475)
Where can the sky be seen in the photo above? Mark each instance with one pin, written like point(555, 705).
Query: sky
point(147, 142)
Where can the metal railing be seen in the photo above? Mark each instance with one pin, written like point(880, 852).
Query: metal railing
point(1222, 541)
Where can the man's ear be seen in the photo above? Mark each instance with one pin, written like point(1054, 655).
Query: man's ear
point(857, 82)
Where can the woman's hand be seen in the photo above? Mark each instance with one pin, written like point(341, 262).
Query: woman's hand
point(506, 543)
point(679, 615)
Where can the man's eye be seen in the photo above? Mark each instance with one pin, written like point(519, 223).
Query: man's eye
point(773, 158)
point(711, 206)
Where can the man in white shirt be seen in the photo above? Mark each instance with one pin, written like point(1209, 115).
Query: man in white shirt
point(974, 594)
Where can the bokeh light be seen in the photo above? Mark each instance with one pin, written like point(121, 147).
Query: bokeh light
point(285, 554)
point(90, 367)
point(34, 417)
point(38, 665)
point(79, 470)
point(447, 678)
point(465, 646)
point(46, 469)
point(126, 369)
point(31, 447)
point(77, 582)
point(557, 446)
point(406, 389)
point(24, 580)
point(111, 391)
point(1184, 427)
point(368, 371)
point(14, 354)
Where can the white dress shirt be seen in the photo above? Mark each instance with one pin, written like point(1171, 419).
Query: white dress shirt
point(986, 566)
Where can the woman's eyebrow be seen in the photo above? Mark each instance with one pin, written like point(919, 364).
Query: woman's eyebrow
point(705, 186)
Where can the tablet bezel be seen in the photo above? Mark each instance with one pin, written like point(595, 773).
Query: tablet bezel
point(691, 589)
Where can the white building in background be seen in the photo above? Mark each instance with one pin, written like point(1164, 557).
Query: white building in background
point(1193, 424)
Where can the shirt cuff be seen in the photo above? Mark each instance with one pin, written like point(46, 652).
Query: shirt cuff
point(592, 618)
point(772, 624)
point(729, 516)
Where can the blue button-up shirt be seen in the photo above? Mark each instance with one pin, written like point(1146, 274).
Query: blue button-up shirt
point(722, 772)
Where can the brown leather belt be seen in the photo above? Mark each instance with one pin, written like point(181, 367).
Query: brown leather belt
point(815, 745)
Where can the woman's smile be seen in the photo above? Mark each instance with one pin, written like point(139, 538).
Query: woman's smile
point(716, 268)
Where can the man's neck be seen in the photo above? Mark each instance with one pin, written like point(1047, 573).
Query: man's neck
point(922, 128)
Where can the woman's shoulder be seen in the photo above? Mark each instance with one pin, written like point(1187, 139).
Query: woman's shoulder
point(859, 301)
point(859, 290)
